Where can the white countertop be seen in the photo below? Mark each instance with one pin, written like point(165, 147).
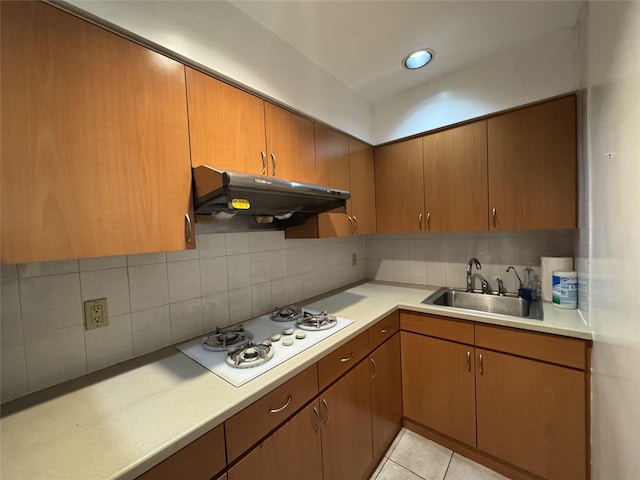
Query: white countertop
point(119, 422)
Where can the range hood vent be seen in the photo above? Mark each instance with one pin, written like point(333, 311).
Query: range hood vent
point(281, 203)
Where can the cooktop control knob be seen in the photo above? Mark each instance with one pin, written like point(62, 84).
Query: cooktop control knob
point(287, 342)
point(300, 334)
point(288, 331)
point(275, 337)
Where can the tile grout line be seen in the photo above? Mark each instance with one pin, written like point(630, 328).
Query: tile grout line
point(448, 465)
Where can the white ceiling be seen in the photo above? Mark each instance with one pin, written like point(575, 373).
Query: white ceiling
point(362, 43)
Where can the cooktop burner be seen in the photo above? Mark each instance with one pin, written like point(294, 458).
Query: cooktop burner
point(285, 314)
point(230, 339)
point(251, 355)
point(319, 321)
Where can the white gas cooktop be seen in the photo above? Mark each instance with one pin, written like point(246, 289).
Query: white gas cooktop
point(262, 328)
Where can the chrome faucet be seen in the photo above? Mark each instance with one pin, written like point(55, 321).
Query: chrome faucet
point(472, 261)
point(501, 290)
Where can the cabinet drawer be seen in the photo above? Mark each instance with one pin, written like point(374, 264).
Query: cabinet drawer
point(268, 412)
point(201, 459)
point(569, 352)
point(383, 330)
point(339, 361)
point(439, 327)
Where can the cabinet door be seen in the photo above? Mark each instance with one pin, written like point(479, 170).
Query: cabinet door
point(95, 143)
point(346, 427)
point(399, 187)
point(332, 170)
point(438, 388)
point(363, 195)
point(226, 125)
point(455, 179)
point(386, 395)
point(290, 143)
point(293, 452)
point(532, 167)
point(532, 414)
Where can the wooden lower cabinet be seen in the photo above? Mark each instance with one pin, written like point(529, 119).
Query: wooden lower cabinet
point(386, 395)
point(200, 460)
point(293, 452)
point(346, 426)
point(438, 385)
point(532, 415)
point(525, 417)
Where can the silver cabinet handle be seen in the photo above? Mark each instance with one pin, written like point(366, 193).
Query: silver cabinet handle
point(346, 359)
point(428, 221)
point(493, 214)
point(375, 368)
point(384, 330)
point(350, 224)
point(273, 164)
point(187, 228)
point(481, 366)
point(420, 221)
point(264, 162)
point(317, 420)
point(355, 221)
point(279, 409)
point(469, 361)
point(326, 409)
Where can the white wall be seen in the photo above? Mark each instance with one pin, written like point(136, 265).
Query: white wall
point(539, 70)
point(611, 74)
point(220, 37)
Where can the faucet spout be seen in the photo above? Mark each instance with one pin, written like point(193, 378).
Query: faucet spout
point(472, 261)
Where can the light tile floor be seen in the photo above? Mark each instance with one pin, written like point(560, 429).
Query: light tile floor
point(412, 457)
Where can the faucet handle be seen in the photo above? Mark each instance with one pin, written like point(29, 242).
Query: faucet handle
point(501, 290)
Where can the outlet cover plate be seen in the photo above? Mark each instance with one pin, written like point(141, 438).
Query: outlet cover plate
point(95, 314)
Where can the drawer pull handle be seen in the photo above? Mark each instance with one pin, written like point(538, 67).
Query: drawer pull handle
point(469, 361)
point(481, 365)
point(384, 330)
point(273, 164)
point(346, 359)
point(188, 228)
point(264, 162)
point(326, 409)
point(317, 419)
point(278, 410)
point(375, 368)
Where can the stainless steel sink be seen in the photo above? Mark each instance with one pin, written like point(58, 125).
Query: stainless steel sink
point(490, 303)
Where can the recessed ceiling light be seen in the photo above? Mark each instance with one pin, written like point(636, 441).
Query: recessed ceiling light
point(418, 59)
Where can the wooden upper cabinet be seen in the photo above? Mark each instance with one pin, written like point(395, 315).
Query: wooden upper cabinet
point(399, 187)
point(363, 195)
point(332, 158)
point(532, 167)
point(290, 144)
point(226, 125)
point(455, 179)
point(95, 142)
point(345, 163)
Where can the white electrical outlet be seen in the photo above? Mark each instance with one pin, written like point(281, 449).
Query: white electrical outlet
point(95, 314)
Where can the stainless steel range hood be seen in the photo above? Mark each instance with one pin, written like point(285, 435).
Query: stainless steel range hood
point(282, 203)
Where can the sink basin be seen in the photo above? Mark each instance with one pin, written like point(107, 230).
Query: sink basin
point(490, 303)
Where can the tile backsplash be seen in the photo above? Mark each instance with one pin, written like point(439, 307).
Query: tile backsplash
point(441, 258)
point(155, 300)
point(160, 299)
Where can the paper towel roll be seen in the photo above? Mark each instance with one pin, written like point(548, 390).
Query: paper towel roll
point(548, 266)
